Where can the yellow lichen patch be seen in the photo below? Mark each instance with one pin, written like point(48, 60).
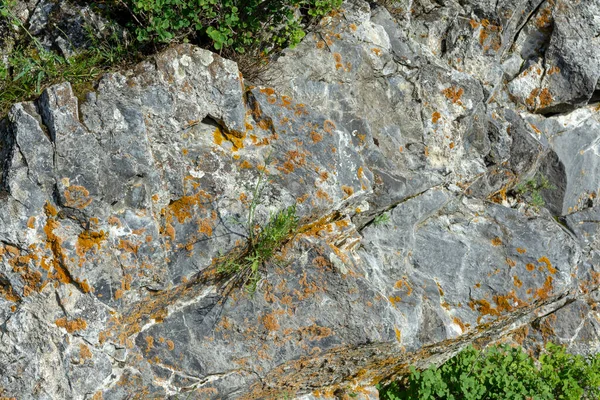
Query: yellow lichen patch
point(205, 227)
point(97, 396)
point(545, 291)
point(149, 343)
point(521, 250)
point(328, 126)
point(184, 208)
point(517, 282)
point(347, 190)
point(530, 101)
point(316, 137)
point(376, 51)
point(218, 136)
point(453, 94)
point(323, 195)
point(496, 241)
point(245, 164)
point(398, 334)
point(530, 267)
point(88, 240)
point(77, 197)
point(128, 246)
point(544, 19)
point(459, 322)
point(520, 334)
point(268, 91)
point(84, 352)
point(315, 332)
point(553, 70)
point(295, 159)
point(545, 98)
point(338, 60)
point(269, 321)
point(547, 264)
point(71, 326)
point(394, 300)
point(403, 283)
point(435, 117)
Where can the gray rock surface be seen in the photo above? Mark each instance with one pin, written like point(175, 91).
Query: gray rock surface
point(406, 138)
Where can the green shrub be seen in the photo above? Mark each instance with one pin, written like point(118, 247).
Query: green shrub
point(530, 190)
point(237, 24)
point(502, 372)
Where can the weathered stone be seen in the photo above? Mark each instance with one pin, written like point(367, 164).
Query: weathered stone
point(401, 136)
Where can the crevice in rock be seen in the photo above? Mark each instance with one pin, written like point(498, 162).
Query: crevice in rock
point(527, 19)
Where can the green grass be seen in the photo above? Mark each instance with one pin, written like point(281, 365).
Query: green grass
point(263, 242)
point(261, 248)
point(32, 68)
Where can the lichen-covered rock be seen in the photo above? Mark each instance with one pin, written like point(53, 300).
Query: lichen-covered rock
point(405, 137)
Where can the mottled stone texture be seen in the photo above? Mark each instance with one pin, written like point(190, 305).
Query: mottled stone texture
point(114, 210)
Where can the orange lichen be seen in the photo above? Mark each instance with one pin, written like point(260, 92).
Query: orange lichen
point(521, 250)
point(553, 70)
point(71, 326)
point(511, 263)
point(530, 101)
point(323, 195)
point(530, 267)
point(88, 240)
point(474, 24)
point(316, 137)
point(545, 291)
point(84, 352)
point(269, 321)
point(149, 343)
point(435, 117)
point(517, 282)
point(77, 197)
point(458, 322)
point(403, 283)
point(496, 241)
point(348, 190)
point(545, 98)
point(320, 44)
point(328, 126)
point(31, 223)
point(398, 334)
point(454, 94)
point(547, 264)
point(205, 227)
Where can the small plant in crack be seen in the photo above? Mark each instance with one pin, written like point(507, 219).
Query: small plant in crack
point(530, 190)
point(262, 242)
point(381, 219)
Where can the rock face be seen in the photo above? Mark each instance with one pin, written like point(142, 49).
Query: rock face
point(413, 143)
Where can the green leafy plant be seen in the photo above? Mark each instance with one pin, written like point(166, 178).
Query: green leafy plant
point(242, 25)
point(503, 372)
point(263, 242)
point(530, 190)
point(381, 219)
